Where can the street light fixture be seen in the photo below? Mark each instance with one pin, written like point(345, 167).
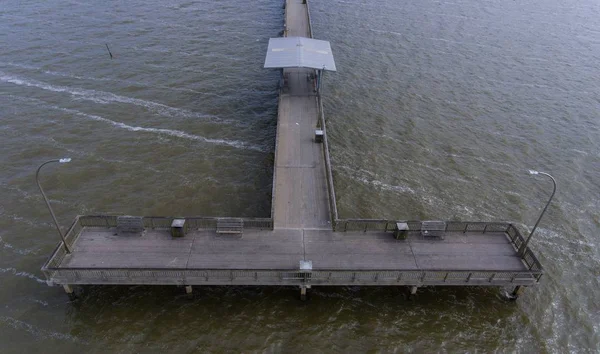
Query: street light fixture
point(532, 172)
point(37, 179)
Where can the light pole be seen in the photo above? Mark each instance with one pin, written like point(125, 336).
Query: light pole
point(37, 179)
point(532, 172)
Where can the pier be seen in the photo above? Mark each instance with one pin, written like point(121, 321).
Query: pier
point(304, 243)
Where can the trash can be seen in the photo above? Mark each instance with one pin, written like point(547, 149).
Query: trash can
point(401, 231)
point(178, 228)
point(318, 136)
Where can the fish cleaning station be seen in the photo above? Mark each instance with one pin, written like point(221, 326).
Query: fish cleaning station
point(304, 243)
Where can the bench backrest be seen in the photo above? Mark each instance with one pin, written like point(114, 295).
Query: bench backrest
point(433, 226)
point(230, 226)
point(130, 224)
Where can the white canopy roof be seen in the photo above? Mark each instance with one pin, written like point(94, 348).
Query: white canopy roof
point(299, 52)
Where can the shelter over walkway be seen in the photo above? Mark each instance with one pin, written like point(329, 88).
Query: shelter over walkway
point(299, 52)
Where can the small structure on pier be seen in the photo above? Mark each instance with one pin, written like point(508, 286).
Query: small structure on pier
point(299, 52)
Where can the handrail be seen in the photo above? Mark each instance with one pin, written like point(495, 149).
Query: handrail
point(328, 172)
point(433, 270)
point(415, 225)
point(273, 187)
point(310, 33)
point(289, 276)
point(164, 222)
point(321, 119)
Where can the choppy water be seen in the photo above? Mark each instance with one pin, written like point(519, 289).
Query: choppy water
point(437, 111)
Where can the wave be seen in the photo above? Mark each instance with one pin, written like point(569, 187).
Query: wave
point(176, 133)
point(107, 97)
point(37, 332)
point(12, 248)
point(17, 273)
point(382, 185)
point(480, 159)
point(106, 79)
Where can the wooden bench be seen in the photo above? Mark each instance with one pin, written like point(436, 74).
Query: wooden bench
point(130, 224)
point(433, 229)
point(230, 226)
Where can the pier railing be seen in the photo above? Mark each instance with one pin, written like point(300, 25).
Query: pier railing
point(329, 175)
point(164, 222)
point(310, 32)
point(323, 127)
point(185, 276)
point(451, 226)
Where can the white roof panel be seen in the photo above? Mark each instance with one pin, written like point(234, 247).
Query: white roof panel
point(299, 52)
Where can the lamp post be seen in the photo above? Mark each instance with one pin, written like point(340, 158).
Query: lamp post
point(37, 179)
point(532, 172)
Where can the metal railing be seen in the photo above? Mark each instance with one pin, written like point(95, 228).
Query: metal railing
point(290, 277)
point(164, 222)
point(328, 172)
point(60, 252)
point(310, 32)
point(415, 225)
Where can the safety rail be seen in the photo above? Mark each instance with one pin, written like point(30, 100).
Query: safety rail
point(328, 172)
point(415, 225)
point(322, 126)
point(184, 276)
point(60, 252)
point(163, 222)
point(310, 32)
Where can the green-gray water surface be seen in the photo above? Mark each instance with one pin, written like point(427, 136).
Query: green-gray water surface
point(437, 111)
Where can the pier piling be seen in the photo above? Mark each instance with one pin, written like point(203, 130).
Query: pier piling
point(303, 293)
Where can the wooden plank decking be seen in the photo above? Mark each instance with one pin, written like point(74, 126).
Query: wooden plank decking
point(284, 248)
point(272, 257)
point(300, 198)
point(300, 187)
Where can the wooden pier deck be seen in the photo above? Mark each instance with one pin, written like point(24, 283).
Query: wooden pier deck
point(303, 243)
point(300, 198)
point(469, 254)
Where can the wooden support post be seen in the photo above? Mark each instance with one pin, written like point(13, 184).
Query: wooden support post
point(303, 293)
point(412, 292)
point(188, 289)
point(70, 292)
point(68, 289)
point(517, 291)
